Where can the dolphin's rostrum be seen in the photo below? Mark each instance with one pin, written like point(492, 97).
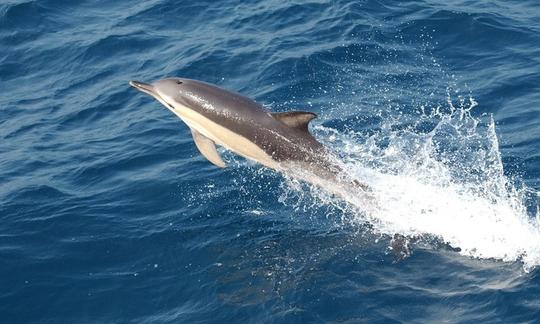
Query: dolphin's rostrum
point(280, 141)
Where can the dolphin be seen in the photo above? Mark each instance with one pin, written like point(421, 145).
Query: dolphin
point(277, 140)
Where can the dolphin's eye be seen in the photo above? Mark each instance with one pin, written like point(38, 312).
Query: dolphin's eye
point(178, 82)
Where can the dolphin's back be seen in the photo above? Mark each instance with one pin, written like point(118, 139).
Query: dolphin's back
point(252, 121)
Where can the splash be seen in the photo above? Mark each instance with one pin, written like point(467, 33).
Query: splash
point(437, 173)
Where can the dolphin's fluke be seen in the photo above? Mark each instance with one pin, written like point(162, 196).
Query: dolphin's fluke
point(295, 119)
point(207, 147)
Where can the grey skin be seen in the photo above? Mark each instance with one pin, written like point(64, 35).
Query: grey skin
point(216, 116)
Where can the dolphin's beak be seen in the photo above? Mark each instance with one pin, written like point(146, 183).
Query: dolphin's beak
point(144, 87)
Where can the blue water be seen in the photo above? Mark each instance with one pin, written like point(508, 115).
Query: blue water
point(108, 214)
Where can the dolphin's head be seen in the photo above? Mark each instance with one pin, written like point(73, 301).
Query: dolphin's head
point(180, 95)
point(171, 92)
point(184, 96)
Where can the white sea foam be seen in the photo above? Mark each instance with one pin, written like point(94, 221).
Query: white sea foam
point(445, 180)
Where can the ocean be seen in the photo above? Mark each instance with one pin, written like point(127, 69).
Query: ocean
point(109, 214)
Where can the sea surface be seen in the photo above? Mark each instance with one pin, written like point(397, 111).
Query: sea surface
point(109, 214)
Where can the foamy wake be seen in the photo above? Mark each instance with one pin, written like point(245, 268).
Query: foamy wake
point(445, 181)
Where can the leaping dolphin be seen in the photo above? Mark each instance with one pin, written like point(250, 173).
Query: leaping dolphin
point(280, 141)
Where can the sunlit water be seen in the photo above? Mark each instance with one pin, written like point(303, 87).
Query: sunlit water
point(109, 214)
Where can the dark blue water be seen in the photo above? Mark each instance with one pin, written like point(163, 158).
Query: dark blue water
point(108, 214)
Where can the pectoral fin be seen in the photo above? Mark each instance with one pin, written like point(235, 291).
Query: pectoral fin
point(207, 147)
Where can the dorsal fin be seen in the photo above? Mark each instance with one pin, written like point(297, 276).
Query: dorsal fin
point(295, 119)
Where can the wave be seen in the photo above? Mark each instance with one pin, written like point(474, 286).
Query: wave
point(440, 176)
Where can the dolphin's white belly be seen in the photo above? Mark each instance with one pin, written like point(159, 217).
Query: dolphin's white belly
point(226, 137)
